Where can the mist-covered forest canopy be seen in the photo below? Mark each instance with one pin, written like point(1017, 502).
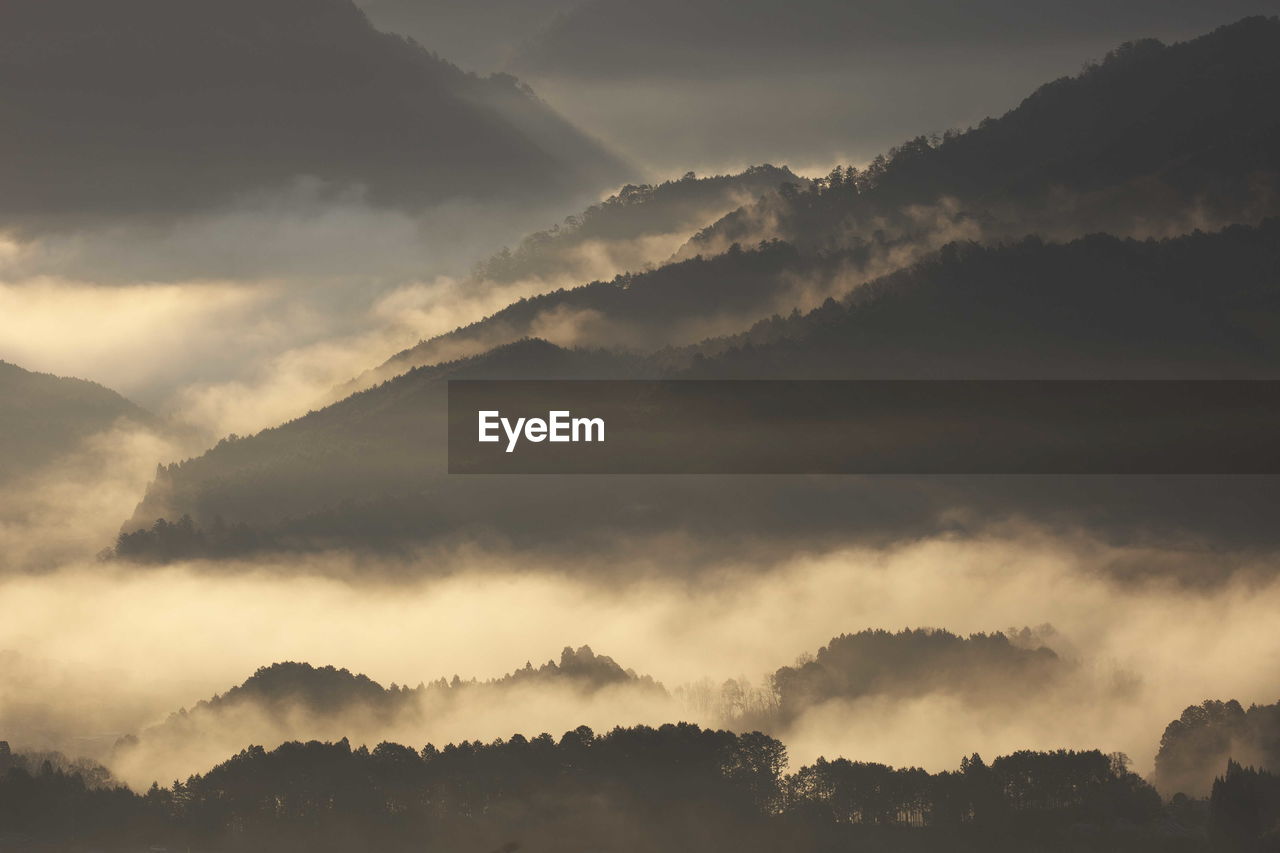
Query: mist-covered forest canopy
point(880, 662)
point(291, 700)
point(634, 211)
point(635, 229)
point(288, 697)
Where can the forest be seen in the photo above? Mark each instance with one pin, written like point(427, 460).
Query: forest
point(675, 787)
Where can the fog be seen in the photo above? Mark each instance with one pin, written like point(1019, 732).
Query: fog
point(132, 646)
point(237, 321)
point(71, 509)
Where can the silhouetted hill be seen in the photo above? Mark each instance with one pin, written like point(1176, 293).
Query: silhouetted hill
point(322, 690)
point(396, 431)
point(290, 701)
point(162, 106)
point(983, 668)
point(43, 417)
point(1195, 747)
point(282, 690)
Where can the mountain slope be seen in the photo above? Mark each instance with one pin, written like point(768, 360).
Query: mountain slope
point(635, 229)
point(1203, 306)
point(1154, 140)
point(43, 417)
point(1194, 307)
point(143, 107)
point(479, 34)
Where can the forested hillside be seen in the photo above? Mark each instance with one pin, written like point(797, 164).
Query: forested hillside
point(620, 239)
point(1155, 139)
point(43, 417)
point(370, 469)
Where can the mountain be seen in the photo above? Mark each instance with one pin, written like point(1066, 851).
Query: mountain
point(631, 231)
point(479, 34)
point(1154, 140)
point(156, 107)
point(43, 417)
point(857, 75)
point(370, 469)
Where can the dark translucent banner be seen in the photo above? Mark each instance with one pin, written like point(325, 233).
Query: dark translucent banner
point(864, 427)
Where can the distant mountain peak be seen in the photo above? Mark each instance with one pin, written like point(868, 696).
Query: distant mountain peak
point(182, 106)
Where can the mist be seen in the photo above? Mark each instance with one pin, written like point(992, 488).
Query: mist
point(236, 321)
point(1140, 651)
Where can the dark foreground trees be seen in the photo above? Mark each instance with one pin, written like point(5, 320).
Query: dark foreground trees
point(677, 787)
point(1244, 810)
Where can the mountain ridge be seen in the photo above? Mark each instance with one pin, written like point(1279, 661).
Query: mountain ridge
point(255, 97)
